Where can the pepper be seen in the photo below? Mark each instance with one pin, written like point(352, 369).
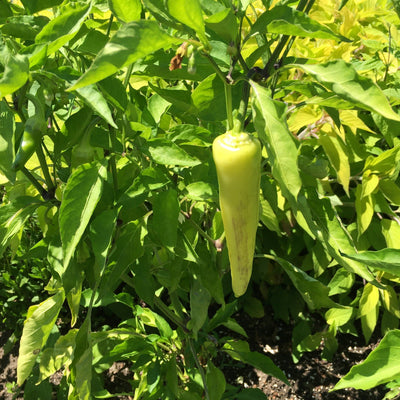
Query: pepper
point(34, 128)
point(237, 157)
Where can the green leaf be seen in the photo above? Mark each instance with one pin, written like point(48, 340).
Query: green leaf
point(386, 164)
point(15, 75)
point(80, 197)
point(199, 301)
point(7, 127)
point(341, 282)
point(324, 222)
point(314, 292)
point(145, 286)
point(209, 98)
point(270, 122)
point(201, 191)
point(224, 24)
point(33, 6)
point(166, 211)
point(369, 309)
point(239, 350)
point(60, 355)
point(251, 394)
point(130, 43)
point(81, 366)
point(61, 29)
point(221, 316)
point(95, 100)
point(126, 11)
point(215, 381)
point(336, 151)
point(13, 218)
point(341, 78)
point(339, 316)
point(37, 327)
point(365, 210)
point(127, 248)
point(381, 366)
point(387, 260)
point(391, 232)
point(190, 14)
point(286, 20)
point(390, 190)
point(101, 233)
point(268, 217)
point(165, 152)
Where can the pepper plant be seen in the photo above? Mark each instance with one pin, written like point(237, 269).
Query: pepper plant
point(120, 179)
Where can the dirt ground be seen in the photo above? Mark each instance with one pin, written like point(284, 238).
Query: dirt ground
point(310, 379)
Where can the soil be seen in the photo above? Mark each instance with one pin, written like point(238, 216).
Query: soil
point(311, 378)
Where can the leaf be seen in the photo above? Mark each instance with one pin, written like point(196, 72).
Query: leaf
point(133, 41)
point(387, 260)
point(224, 24)
point(101, 233)
point(163, 151)
point(61, 29)
point(199, 301)
point(13, 219)
point(339, 316)
point(201, 191)
point(239, 350)
point(341, 78)
point(189, 13)
point(37, 327)
point(126, 11)
point(221, 316)
point(314, 292)
point(365, 210)
point(391, 232)
point(127, 248)
point(80, 197)
point(166, 211)
point(7, 127)
point(95, 100)
point(386, 164)
point(209, 98)
point(336, 151)
point(60, 355)
point(81, 366)
point(286, 20)
point(381, 366)
point(270, 122)
point(15, 75)
point(34, 6)
point(369, 309)
point(215, 381)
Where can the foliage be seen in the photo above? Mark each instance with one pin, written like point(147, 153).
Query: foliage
point(124, 191)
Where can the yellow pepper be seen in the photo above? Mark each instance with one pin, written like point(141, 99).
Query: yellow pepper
point(237, 158)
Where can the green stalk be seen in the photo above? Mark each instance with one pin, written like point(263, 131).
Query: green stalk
point(45, 169)
point(228, 104)
point(43, 192)
point(200, 368)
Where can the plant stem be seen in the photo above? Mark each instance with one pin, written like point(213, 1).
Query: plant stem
point(228, 104)
point(215, 66)
point(128, 75)
point(200, 368)
point(159, 304)
point(198, 228)
point(43, 192)
point(45, 169)
point(244, 101)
